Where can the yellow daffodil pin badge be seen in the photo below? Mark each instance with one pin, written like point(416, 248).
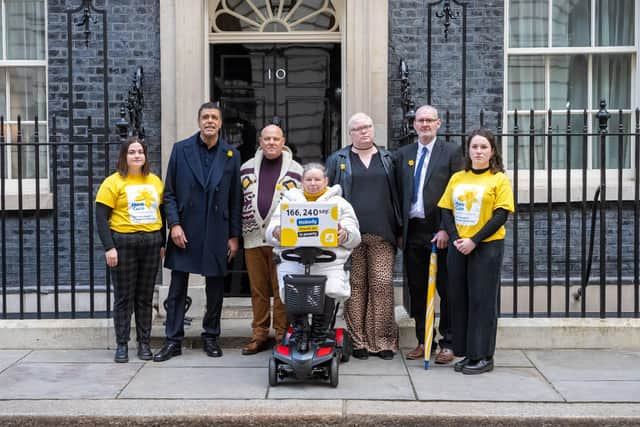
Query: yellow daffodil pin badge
point(342, 166)
point(411, 162)
point(229, 153)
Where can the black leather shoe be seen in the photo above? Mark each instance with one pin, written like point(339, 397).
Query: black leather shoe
point(478, 367)
point(168, 351)
point(122, 354)
point(361, 353)
point(386, 355)
point(461, 364)
point(144, 351)
point(211, 347)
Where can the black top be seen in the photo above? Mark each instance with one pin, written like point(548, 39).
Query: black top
point(207, 157)
point(371, 198)
point(269, 173)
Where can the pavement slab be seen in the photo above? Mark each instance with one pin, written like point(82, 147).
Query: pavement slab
point(197, 383)
point(9, 357)
point(599, 391)
point(503, 384)
point(503, 357)
point(373, 366)
point(65, 380)
point(232, 358)
point(373, 387)
point(587, 365)
point(74, 356)
point(511, 358)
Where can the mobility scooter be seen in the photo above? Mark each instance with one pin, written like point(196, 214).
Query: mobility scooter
point(300, 355)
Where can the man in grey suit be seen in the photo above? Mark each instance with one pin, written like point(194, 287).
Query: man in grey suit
point(423, 169)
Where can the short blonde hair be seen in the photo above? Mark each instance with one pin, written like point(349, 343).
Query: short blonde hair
point(359, 117)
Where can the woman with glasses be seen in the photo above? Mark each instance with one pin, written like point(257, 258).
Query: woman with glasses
point(366, 174)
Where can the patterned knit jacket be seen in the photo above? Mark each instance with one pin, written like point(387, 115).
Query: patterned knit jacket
point(253, 225)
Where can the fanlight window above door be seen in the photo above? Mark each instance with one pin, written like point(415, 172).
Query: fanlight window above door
point(273, 16)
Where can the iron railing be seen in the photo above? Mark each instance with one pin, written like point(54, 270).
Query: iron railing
point(567, 254)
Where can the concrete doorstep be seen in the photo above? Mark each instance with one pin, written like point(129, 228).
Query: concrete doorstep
point(514, 333)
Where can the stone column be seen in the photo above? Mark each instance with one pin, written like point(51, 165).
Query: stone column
point(365, 64)
point(183, 83)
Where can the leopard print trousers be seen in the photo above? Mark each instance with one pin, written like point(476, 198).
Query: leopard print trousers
point(369, 313)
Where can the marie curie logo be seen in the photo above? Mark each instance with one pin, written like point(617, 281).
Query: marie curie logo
point(142, 204)
point(467, 203)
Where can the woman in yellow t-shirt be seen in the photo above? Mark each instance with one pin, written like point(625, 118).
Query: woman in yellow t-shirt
point(130, 224)
point(475, 206)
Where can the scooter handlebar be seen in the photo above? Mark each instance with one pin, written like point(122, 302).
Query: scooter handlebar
point(308, 255)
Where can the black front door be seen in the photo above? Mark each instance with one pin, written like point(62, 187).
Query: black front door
point(295, 85)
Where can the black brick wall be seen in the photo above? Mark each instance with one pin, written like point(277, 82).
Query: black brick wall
point(133, 36)
point(408, 21)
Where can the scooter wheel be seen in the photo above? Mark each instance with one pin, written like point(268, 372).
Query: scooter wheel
point(347, 348)
point(273, 372)
point(333, 372)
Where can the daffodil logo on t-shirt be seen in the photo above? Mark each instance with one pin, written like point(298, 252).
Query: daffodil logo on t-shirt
point(143, 204)
point(467, 203)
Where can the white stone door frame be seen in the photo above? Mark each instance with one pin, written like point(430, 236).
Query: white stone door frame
point(184, 66)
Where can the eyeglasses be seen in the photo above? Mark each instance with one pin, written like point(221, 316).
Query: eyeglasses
point(423, 121)
point(361, 128)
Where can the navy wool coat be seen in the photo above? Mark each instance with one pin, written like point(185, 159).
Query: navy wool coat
point(207, 207)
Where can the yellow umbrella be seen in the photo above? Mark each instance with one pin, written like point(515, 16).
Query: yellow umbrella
point(431, 294)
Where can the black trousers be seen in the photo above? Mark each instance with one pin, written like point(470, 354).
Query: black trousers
point(473, 293)
point(133, 283)
point(417, 254)
point(214, 289)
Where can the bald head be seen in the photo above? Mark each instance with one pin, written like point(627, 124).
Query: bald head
point(272, 141)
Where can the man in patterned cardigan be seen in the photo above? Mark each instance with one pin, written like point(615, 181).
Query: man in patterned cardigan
point(264, 178)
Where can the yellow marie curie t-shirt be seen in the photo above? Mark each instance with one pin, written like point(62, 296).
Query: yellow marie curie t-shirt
point(135, 202)
point(473, 198)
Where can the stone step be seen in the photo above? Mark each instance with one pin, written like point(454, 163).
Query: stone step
point(286, 412)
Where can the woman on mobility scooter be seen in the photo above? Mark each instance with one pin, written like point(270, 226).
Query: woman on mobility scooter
point(315, 188)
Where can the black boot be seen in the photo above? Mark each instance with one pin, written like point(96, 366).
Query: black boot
point(144, 351)
point(321, 322)
point(122, 354)
point(300, 334)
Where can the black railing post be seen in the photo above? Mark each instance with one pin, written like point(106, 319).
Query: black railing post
point(72, 228)
point(54, 186)
point(499, 140)
point(636, 221)
point(19, 146)
point(90, 201)
point(36, 140)
point(619, 219)
point(549, 206)
point(603, 118)
point(532, 196)
point(3, 216)
point(567, 219)
point(515, 233)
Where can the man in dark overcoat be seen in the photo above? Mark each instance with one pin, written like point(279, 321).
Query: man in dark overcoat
point(424, 169)
point(202, 200)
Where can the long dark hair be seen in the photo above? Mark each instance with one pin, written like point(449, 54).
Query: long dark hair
point(122, 167)
point(495, 162)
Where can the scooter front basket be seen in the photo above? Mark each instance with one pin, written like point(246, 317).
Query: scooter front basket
point(304, 294)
